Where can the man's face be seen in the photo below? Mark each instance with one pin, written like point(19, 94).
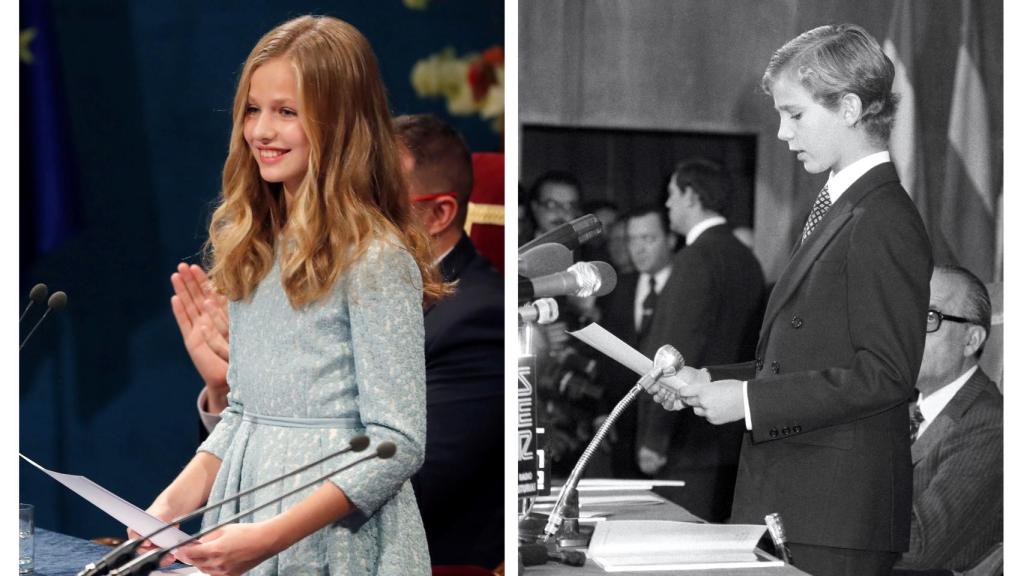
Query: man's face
point(556, 204)
point(810, 129)
point(944, 350)
point(650, 245)
point(677, 205)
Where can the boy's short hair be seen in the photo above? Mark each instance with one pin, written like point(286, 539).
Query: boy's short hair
point(707, 179)
point(834, 60)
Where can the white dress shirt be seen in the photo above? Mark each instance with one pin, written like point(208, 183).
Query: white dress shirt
point(643, 287)
point(935, 403)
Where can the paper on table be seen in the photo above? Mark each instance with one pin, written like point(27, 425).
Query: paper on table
point(608, 344)
point(617, 500)
point(121, 510)
point(608, 484)
point(645, 545)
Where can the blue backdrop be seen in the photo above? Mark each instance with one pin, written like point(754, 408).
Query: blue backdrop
point(125, 117)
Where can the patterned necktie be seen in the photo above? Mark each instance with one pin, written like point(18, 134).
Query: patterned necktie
point(915, 423)
point(821, 205)
point(647, 309)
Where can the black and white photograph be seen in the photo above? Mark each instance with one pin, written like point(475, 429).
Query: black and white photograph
point(761, 286)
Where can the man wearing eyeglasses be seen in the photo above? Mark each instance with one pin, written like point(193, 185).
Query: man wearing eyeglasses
point(957, 432)
point(555, 200)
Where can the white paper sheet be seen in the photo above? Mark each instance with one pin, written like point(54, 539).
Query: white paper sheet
point(610, 484)
point(121, 510)
point(656, 545)
point(543, 502)
point(608, 344)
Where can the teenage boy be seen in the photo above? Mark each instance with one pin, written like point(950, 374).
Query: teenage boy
point(825, 402)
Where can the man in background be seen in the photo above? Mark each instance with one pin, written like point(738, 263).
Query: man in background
point(708, 310)
point(957, 433)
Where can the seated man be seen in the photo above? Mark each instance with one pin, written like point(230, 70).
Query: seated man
point(957, 447)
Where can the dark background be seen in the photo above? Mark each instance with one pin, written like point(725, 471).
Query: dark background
point(143, 99)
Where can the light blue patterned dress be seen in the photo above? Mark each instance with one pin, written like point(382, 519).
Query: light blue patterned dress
point(355, 357)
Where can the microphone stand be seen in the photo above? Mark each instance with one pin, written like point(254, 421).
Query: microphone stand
point(150, 561)
point(126, 551)
point(563, 522)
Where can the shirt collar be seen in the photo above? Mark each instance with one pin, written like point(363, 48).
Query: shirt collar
point(839, 182)
point(932, 405)
point(703, 225)
point(660, 277)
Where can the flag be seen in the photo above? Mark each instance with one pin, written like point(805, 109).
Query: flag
point(905, 140)
point(48, 207)
point(967, 209)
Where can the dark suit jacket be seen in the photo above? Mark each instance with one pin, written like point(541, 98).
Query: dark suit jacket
point(706, 309)
point(460, 486)
point(958, 481)
point(617, 316)
point(838, 355)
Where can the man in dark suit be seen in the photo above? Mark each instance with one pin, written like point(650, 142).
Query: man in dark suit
point(459, 489)
point(825, 401)
point(708, 307)
point(628, 312)
point(958, 424)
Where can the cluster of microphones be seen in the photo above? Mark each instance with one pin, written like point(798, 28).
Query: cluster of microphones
point(122, 560)
point(546, 270)
point(40, 294)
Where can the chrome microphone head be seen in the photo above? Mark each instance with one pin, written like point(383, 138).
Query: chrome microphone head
point(668, 360)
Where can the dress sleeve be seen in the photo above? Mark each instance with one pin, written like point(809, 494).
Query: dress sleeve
point(385, 295)
point(224, 431)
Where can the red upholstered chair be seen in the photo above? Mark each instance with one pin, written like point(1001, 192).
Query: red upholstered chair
point(485, 220)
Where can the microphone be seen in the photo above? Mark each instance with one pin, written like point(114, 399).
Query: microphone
point(543, 311)
point(126, 551)
point(56, 302)
point(667, 361)
point(581, 279)
point(778, 534)
point(537, 554)
point(544, 259)
point(150, 561)
point(571, 234)
point(38, 294)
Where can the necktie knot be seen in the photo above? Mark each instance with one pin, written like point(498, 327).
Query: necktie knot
point(916, 419)
point(821, 205)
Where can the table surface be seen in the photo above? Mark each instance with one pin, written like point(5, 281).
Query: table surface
point(62, 555)
point(664, 511)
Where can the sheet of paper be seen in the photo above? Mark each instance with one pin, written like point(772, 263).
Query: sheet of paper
point(608, 344)
point(121, 510)
point(608, 484)
point(644, 545)
point(619, 500)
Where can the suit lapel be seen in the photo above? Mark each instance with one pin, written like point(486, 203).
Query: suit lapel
point(804, 255)
point(937, 431)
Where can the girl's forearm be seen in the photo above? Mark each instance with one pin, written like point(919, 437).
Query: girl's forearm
point(192, 487)
point(325, 505)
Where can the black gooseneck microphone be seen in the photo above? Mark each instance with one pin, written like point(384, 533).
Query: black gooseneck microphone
point(571, 234)
point(149, 562)
point(126, 551)
point(56, 302)
point(37, 295)
point(581, 279)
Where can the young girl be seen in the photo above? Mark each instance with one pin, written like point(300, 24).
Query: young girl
point(314, 246)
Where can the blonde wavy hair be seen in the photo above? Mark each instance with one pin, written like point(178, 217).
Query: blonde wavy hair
point(353, 192)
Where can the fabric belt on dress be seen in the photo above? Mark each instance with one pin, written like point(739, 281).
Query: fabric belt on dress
point(351, 422)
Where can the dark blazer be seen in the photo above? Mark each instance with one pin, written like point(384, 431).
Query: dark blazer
point(958, 481)
point(836, 361)
point(707, 308)
point(460, 486)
